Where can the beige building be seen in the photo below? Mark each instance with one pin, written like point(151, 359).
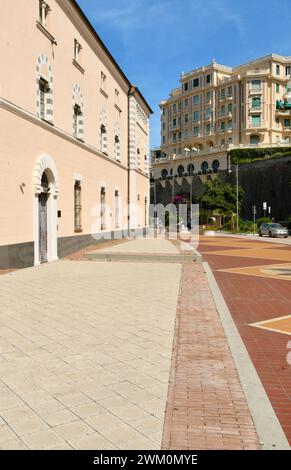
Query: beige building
point(217, 107)
point(74, 149)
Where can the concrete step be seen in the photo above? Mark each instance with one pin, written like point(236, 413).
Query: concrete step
point(186, 257)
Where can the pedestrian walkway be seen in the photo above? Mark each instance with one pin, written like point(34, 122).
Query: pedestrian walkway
point(85, 354)
point(87, 358)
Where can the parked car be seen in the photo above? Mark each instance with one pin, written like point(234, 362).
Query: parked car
point(273, 230)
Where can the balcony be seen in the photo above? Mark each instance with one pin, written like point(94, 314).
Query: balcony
point(174, 127)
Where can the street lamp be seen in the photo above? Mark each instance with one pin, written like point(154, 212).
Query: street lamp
point(173, 183)
point(236, 176)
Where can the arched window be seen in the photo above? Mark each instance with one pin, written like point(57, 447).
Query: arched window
point(190, 169)
point(164, 173)
point(180, 170)
point(117, 148)
point(204, 168)
point(44, 89)
point(103, 138)
point(78, 118)
point(215, 166)
point(254, 139)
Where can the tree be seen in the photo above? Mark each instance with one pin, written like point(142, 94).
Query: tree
point(222, 197)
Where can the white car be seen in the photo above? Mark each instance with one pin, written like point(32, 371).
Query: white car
point(273, 230)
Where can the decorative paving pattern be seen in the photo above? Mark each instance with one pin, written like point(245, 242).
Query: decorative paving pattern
point(275, 271)
point(280, 325)
point(255, 289)
point(267, 253)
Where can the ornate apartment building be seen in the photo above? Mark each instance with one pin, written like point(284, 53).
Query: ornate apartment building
point(218, 107)
point(74, 155)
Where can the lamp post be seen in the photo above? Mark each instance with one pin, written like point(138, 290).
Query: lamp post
point(173, 183)
point(237, 203)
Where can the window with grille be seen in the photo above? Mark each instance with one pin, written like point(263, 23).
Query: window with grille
point(103, 208)
point(77, 114)
point(43, 89)
point(77, 206)
point(103, 139)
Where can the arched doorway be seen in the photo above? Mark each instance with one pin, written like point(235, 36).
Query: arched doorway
point(46, 188)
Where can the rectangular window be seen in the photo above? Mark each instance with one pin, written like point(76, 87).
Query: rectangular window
point(207, 128)
point(174, 122)
point(77, 206)
point(277, 88)
point(208, 97)
point(43, 89)
point(196, 131)
point(174, 137)
point(196, 116)
point(103, 81)
point(116, 97)
point(256, 119)
point(208, 79)
point(186, 103)
point(174, 108)
point(185, 86)
point(287, 70)
point(208, 113)
point(229, 108)
point(222, 111)
point(164, 126)
point(222, 93)
point(277, 69)
point(44, 10)
point(116, 209)
point(186, 118)
point(256, 84)
point(287, 122)
point(164, 140)
point(77, 113)
point(229, 124)
point(222, 126)
point(195, 82)
point(77, 51)
point(256, 102)
point(103, 208)
point(196, 99)
point(229, 91)
point(163, 111)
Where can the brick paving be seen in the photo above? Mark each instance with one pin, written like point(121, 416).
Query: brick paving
point(206, 406)
point(253, 299)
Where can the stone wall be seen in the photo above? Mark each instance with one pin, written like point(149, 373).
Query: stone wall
point(268, 180)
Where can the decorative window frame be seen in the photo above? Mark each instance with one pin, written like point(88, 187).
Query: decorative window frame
point(77, 93)
point(42, 60)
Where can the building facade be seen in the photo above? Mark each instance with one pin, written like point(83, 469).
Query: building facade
point(74, 155)
point(218, 107)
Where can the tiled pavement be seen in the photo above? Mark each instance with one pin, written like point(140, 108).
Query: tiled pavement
point(254, 299)
point(86, 352)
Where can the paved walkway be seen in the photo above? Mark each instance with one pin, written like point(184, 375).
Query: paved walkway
point(143, 245)
point(85, 355)
point(206, 408)
point(255, 280)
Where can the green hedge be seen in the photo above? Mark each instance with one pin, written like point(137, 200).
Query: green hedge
point(252, 154)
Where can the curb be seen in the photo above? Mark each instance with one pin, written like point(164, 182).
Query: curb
point(267, 425)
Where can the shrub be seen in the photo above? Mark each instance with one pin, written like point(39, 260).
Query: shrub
point(264, 220)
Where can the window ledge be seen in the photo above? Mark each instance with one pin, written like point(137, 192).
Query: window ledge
point(78, 230)
point(46, 32)
point(78, 66)
point(104, 93)
point(118, 108)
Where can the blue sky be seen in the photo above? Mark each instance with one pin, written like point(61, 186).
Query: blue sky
point(155, 40)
